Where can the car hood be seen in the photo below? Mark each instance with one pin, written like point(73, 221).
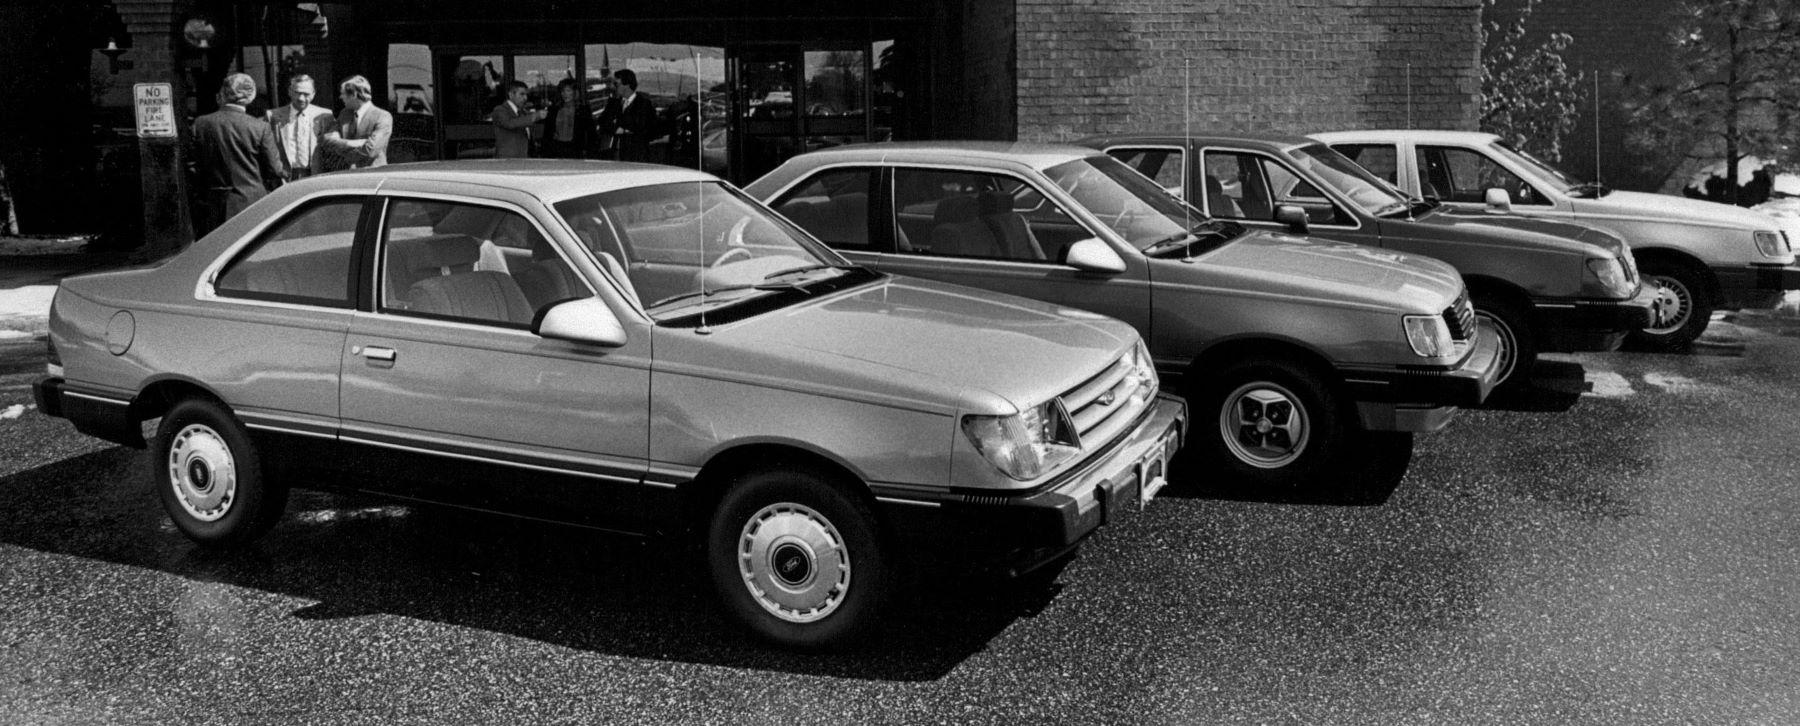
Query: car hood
point(1506, 230)
point(1324, 270)
point(1671, 208)
point(1568, 230)
point(914, 341)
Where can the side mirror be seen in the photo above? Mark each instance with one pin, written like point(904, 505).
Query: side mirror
point(1498, 200)
point(1092, 255)
point(584, 320)
point(1292, 216)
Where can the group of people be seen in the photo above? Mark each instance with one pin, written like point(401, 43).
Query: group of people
point(568, 128)
point(240, 157)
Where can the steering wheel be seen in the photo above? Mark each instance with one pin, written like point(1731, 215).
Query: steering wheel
point(731, 254)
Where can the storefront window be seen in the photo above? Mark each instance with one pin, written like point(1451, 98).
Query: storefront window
point(685, 84)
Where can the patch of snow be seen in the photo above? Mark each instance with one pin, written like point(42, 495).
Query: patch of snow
point(13, 334)
point(14, 411)
point(30, 300)
point(1607, 384)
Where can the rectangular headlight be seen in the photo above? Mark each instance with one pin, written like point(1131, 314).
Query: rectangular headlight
point(1026, 445)
point(1611, 274)
point(1429, 336)
point(1770, 244)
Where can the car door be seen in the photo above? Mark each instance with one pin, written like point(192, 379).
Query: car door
point(1461, 176)
point(289, 285)
point(1249, 186)
point(984, 229)
point(454, 399)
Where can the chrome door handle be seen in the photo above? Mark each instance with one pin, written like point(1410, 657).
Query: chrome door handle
point(375, 353)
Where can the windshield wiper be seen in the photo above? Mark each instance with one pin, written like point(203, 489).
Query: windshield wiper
point(765, 284)
point(1221, 229)
point(701, 294)
point(1589, 190)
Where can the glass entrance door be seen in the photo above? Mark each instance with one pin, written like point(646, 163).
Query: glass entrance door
point(475, 83)
point(788, 100)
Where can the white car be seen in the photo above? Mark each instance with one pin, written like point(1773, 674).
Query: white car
point(1706, 256)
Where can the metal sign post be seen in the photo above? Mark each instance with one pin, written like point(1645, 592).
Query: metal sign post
point(167, 224)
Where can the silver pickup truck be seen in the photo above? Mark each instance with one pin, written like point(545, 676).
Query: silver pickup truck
point(1307, 362)
point(1705, 256)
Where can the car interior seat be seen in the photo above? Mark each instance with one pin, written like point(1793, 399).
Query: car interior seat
point(1217, 203)
point(957, 229)
point(474, 294)
point(1012, 234)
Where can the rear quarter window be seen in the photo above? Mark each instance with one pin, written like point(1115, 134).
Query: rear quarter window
point(305, 258)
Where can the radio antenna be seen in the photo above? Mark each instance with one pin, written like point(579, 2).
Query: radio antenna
point(700, 209)
point(1187, 140)
point(1596, 128)
point(1409, 123)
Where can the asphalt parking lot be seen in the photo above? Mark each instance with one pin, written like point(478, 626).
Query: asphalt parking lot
point(1633, 559)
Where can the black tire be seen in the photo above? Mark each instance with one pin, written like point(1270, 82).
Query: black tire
point(775, 537)
point(209, 476)
point(1518, 341)
point(1687, 306)
point(1268, 424)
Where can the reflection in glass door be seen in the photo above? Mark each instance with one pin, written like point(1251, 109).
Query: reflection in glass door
point(835, 96)
point(766, 84)
point(475, 83)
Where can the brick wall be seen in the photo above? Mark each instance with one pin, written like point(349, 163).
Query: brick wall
point(1093, 66)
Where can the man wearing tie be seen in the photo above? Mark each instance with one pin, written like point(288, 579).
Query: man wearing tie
point(298, 127)
point(512, 123)
point(361, 136)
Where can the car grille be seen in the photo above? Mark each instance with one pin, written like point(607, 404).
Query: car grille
point(1460, 316)
point(1103, 405)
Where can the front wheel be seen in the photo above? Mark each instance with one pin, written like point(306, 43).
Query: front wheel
point(1518, 348)
point(210, 477)
point(1684, 310)
point(1277, 424)
point(796, 559)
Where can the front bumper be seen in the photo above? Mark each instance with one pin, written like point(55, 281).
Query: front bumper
point(1421, 399)
point(1019, 531)
point(1755, 286)
point(1593, 325)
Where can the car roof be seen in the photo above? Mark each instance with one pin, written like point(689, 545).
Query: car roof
point(1266, 139)
point(1415, 135)
point(1012, 152)
point(548, 179)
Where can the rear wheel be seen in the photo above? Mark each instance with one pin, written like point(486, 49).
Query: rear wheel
point(796, 558)
point(210, 478)
point(1685, 308)
point(1518, 349)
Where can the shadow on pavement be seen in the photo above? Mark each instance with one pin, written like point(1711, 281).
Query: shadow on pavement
point(1554, 386)
point(1369, 488)
point(356, 555)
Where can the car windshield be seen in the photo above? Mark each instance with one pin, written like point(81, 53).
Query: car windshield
point(1537, 168)
point(687, 245)
point(1127, 202)
point(1337, 171)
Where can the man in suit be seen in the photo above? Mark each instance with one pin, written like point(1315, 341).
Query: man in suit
point(630, 117)
point(298, 126)
point(512, 123)
point(236, 155)
point(361, 135)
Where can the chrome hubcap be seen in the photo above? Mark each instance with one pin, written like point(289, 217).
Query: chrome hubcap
point(794, 562)
point(1676, 303)
point(202, 472)
point(1264, 425)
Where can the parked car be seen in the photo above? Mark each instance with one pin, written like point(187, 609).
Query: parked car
point(1308, 362)
point(1705, 256)
point(625, 347)
point(1545, 289)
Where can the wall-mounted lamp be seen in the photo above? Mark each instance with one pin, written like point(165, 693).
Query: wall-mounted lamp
point(112, 51)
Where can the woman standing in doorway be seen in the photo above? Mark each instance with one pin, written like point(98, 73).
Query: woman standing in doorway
point(569, 124)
